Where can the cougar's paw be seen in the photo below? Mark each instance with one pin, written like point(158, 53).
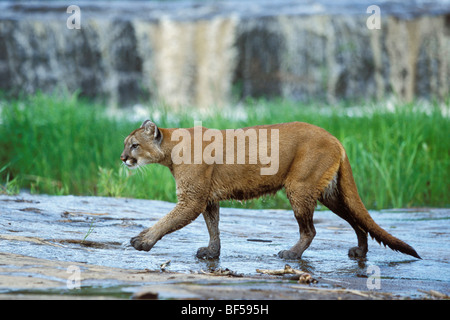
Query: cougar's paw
point(288, 254)
point(207, 253)
point(141, 244)
point(357, 252)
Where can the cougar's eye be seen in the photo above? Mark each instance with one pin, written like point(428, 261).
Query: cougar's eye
point(134, 146)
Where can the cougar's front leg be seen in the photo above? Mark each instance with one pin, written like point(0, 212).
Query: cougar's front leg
point(180, 216)
point(211, 215)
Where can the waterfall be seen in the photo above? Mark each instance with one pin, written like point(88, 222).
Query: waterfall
point(201, 54)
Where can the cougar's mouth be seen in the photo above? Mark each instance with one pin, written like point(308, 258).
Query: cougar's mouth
point(130, 163)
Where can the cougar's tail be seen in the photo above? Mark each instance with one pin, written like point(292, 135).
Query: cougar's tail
point(348, 194)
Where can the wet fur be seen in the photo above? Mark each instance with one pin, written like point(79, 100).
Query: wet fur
point(313, 166)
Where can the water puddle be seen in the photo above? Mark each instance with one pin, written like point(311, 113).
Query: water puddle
point(97, 231)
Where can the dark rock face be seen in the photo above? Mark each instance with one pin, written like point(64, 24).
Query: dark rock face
point(196, 53)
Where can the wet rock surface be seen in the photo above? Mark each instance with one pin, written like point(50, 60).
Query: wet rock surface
point(48, 243)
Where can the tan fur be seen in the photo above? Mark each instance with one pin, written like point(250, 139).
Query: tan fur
point(313, 166)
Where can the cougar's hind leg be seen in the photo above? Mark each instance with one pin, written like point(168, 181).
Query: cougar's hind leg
point(303, 205)
point(211, 216)
point(304, 185)
point(336, 204)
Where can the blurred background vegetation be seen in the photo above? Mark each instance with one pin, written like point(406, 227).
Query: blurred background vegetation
point(63, 144)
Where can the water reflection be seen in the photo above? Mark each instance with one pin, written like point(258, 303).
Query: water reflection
point(327, 256)
point(304, 265)
point(208, 265)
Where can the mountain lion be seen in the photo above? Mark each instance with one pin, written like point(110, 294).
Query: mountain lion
point(307, 161)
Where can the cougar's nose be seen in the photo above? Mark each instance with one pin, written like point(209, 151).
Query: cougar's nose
point(123, 157)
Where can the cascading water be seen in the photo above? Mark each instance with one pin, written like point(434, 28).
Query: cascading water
point(201, 54)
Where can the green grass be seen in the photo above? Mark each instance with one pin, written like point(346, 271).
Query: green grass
point(66, 145)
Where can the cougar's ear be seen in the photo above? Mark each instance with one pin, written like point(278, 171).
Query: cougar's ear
point(151, 129)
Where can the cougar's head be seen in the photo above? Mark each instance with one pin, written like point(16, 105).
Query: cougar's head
point(143, 146)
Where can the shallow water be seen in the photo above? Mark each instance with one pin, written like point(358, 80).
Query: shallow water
point(250, 240)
